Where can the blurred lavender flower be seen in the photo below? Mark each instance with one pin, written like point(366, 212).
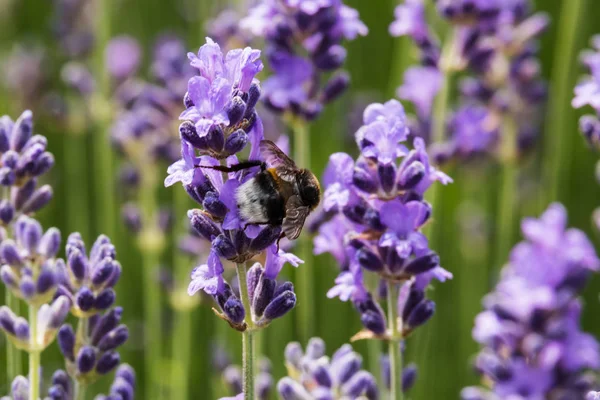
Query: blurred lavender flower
point(72, 24)
point(313, 375)
point(587, 93)
point(231, 375)
point(379, 210)
point(24, 74)
point(123, 55)
point(530, 329)
point(409, 374)
point(225, 30)
point(293, 28)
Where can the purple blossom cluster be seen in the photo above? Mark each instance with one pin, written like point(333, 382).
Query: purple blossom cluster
point(495, 42)
point(220, 121)
point(303, 45)
point(313, 375)
point(587, 93)
point(378, 211)
point(533, 345)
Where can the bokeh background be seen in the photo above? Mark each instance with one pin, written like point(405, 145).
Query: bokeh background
point(443, 348)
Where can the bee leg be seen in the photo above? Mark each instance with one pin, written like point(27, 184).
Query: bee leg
point(278, 239)
point(236, 167)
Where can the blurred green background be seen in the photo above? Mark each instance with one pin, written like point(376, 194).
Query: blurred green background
point(466, 215)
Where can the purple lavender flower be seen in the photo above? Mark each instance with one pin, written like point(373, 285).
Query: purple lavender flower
point(231, 374)
point(24, 74)
point(73, 27)
point(292, 28)
point(530, 328)
point(314, 375)
point(587, 93)
point(122, 57)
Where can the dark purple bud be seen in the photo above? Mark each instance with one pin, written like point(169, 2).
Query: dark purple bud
point(234, 310)
point(7, 212)
point(264, 384)
point(105, 299)
point(315, 348)
point(107, 323)
point(387, 176)
point(10, 253)
point(358, 385)
point(284, 287)
point(223, 246)
point(203, 224)
point(8, 276)
point(56, 393)
point(23, 193)
point(289, 389)
point(46, 280)
point(409, 376)
point(215, 138)
point(310, 111)
point(235, 110)
point(4, 133)
point(421, 314)
point(371, 316)
point(122, 388)
point(241, 242)
point(32, 234)
point(28, 158)
point(236, 142)
point(7, 176)
point(347, 366)
point(293, 354)
point(58, 311)
point(132, 217)
point(373, 220)
point(253, 97)
point(77, 264)
point(265, 238)
point(233, 377)
point(50, 243)
point(10, 159)
point(22, 131)
point(187, 101)
point(85, 299)
point(27, 287)
point(114, 277)
point(61, 379)
point(126, 372)
point(103, 271)
point(411, 175)
point(22, 329)
point(114, 338)
point(321, 375)
point(422, 264)
point(187, 131)
point(415, 296)
point(86, 358)
point(369, 260)
point(7, 320)
point(43, 164)
point(214, 206)
point(253, 277)
point(331, 59)
point(336, 85)
point(251, 121)
point(108, 362)
point(263, 294)
point(66, 341)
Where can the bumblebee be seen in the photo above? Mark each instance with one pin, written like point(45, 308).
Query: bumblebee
point(281, 194)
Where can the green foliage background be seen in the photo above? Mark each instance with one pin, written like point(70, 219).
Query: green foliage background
point(443, 349)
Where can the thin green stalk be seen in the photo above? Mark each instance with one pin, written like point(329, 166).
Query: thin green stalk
point(13, 355)
point(374, 349)
point(305, 274)
point(79, 391)
point(395, 353)
point(557, 152)
point(82, 338)
point(247, 336)
point(34, 355)
point(151, 246)
point(505, 224)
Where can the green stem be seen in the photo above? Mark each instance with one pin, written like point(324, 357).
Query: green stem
point(395, 353)
point(79, 391)
point(557, 152)
point(34, 355)
point(247, 336)
point(151, 243)
point(305, 274)
point(505, 224)
point(13, 355)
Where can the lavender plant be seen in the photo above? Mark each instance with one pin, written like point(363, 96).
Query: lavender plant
point(533, 345)
point(377, 210)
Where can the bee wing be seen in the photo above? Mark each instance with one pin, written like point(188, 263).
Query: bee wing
point(295, 215)
point(274, 156)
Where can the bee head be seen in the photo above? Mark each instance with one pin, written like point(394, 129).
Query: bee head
point(310, 190)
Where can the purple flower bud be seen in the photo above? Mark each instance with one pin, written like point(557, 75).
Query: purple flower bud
point(122, 388)
point(358, 385)
point(280, 305)
point(223, 247)
point(101, 249)
point(264, 384)
point(22, 131)
point(86, 359)
point(10, 253)
point(27, 287)
point(265, 238)
point(421, 314)
point(50, 243)
point(233, 377)
point(215, 138)
point(20, 388)
point(58, 312)
point(409, 376)
point(236, 142)
point(61, 379)
point(126, 372)
point(28, 158)
point(234, 310)
point(369, 260)
point(321, 375)
point(7, 212)
point(251, 121)
point(102, 272)
point(24, 193)
point(43, 164)
point(7, 176)
point(415, 296)
point(7, 320)
point(85, 299)
point(46, 280)
point(78, 265)
point(336, 85)
point(114, 338)
point(131, 217)
point(284, 287)
point(203, 224)
point(263, 294)
point(253, 277)
point(293, 354)
point(114, 277)
point(332, 59)
point(422, 264)
point(10, 159)
point(214, 205)
point(253, 97)
point(31, 235)
point(411, 175)
point(315, 348)
point(108, 362)
point(3, 138)
point(38, 200)
point(107, 323)
point(387, 176)
point(22, 329)
point(9, 277)
point(105, 299)
point(235, 110)
point(187, 132)
point(56, 392)
point(371, 316)
point(289, 389)
point(347, 366)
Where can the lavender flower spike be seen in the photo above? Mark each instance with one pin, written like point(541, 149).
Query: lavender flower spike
point(530, 328)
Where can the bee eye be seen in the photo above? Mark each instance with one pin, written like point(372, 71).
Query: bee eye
point(310, 195)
